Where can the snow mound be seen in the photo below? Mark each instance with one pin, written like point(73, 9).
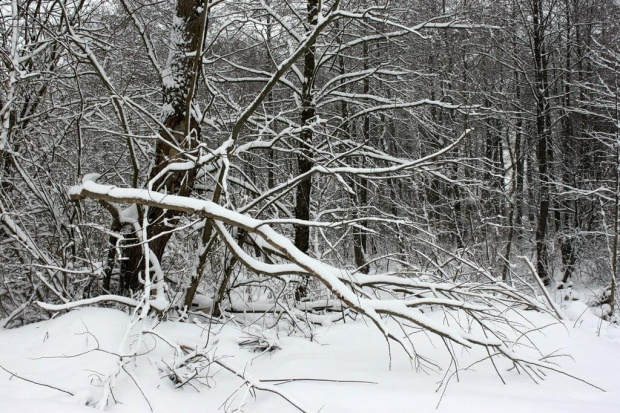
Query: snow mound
point(344, 369)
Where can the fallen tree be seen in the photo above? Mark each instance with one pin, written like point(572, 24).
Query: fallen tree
point(483, 303)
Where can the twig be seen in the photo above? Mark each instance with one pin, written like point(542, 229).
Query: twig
point(542, 287)
point(256, 384)
point(284, 381)
point(37, 383)
point(135, 380)
point(494, 365)
point(5, 322)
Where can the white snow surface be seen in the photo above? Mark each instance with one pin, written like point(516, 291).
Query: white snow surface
point(72, 352)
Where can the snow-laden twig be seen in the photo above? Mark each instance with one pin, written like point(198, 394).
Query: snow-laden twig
point(550, 301)
point(5, 321)
point(119, 299)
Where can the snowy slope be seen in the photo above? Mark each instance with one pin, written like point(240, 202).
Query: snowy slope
point(76, 351)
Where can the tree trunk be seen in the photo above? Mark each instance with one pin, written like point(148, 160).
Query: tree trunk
point(304, 157)
point(181, 132)
point(360, 237)
point(543, 149)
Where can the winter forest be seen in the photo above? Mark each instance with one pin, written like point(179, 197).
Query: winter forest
point(309, 205)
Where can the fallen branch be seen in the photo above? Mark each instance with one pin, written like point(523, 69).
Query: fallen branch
point(90, 301)
point(483, 303)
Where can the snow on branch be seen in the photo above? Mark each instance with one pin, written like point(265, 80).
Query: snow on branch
point(335, 279)
point(90, 301)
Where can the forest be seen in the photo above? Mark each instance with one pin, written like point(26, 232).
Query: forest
point(436, 171)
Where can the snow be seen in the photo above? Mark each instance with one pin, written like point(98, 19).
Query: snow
point(74, 351)
point(332, 278)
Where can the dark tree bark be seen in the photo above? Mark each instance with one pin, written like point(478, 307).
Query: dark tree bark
point(567, 247)
point(544, 149)
point(181, 132)
point(360, 237)
point(305, 155)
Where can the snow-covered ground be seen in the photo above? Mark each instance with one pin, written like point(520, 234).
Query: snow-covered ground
point(76, 351)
